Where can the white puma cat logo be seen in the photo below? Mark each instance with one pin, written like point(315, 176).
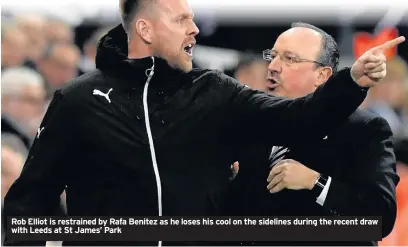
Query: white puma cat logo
point(39, 131)
point(106, 95)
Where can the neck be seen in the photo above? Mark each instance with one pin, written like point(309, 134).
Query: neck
point(138, 49)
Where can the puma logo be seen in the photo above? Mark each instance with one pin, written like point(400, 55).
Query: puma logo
point(39, 131)
point(105, 95)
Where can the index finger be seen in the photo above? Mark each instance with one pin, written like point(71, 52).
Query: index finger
point(390, 44)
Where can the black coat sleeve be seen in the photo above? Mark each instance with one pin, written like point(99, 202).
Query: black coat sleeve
point(284, 121)
point(37, 190)
point(373, 189)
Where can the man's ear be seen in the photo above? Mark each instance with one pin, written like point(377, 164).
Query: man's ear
point(143, 28)
point(324, 75)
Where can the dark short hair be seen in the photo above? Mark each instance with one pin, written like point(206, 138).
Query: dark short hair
point(128, 10)
point(329, 52)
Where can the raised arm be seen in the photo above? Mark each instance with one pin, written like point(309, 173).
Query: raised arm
point(284, 121)
point(312, 116)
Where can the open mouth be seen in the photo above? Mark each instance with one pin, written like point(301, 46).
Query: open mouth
point(272, 84)
point(189, 49)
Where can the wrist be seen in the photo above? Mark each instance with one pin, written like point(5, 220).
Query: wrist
point(314, 179)
point(319, 185)
point(353, 77)
point(358, 81)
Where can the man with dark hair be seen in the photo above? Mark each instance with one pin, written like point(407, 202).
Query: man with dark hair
point(310, 73)
point(143, 125)
point(349, 172)
point(329, 54)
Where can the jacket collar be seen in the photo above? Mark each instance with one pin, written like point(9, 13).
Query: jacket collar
point(111, 58)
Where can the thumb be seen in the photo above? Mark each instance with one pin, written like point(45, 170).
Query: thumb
point(235, 167)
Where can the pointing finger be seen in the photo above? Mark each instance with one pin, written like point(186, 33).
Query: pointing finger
point(389, 44)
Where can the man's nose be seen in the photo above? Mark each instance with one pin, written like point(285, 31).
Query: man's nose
point(275, 66)
point(194, 30)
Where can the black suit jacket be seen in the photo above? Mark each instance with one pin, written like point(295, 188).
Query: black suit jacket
point(358, 156)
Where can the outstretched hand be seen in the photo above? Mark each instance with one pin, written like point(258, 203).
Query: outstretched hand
point(371, 66)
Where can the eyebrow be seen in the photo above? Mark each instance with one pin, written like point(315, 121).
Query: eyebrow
point(291, 53)
point(186, 15)
point(287, 52)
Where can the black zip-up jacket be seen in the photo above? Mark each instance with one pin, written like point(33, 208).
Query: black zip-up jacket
point(138, 138)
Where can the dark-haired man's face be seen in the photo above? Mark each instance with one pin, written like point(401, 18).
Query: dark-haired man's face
point(295, 79)
point(174, 33)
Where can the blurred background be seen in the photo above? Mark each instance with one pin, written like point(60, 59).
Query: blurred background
point(45, 45)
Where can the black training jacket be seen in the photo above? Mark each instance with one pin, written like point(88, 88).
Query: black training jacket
point(138, 138)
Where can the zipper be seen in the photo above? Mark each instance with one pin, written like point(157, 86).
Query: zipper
point(149, 74)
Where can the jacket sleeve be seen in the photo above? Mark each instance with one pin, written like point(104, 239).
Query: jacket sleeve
point(284, 121)
point(43, 178)
point(373, 193)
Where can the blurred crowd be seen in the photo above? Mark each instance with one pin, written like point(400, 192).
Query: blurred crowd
point(39, 55)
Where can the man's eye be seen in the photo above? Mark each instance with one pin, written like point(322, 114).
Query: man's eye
point(290, 58)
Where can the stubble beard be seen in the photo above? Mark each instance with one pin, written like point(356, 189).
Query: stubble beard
point(176, 61)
